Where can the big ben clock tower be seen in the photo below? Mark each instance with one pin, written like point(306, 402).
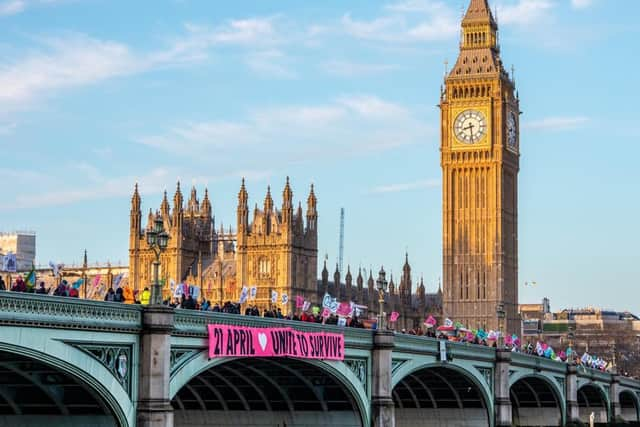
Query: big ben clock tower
point(480, 163)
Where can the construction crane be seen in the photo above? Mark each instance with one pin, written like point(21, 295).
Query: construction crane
point(341, 247)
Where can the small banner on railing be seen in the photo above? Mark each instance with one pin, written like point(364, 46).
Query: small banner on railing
point(242, 341)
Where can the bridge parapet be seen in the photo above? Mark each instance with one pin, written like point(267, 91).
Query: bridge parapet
point(61, 312)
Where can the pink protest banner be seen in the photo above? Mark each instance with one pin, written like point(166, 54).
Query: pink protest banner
point(242, 341)
point(326, 312)
point(299, 301)
point(344, 309)
point(394, 316)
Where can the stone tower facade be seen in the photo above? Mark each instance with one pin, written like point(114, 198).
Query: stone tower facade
point(480, 163)
point(278, 249)
point(190, 246)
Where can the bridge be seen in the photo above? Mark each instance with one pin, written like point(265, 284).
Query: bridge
point(86, 363)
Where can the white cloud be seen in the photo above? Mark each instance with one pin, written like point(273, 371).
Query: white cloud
point(354, 69)
point(524, 12)
point(73, 60)
point(406, 186)
point(355, 124)
point(12, 7)
point(270, 63)
point(407, 22)
point(557, 123)
point(581, 4)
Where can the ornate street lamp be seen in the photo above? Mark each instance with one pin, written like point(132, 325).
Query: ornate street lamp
point(571, 336)
point(157, 239)
point(501, 315)
point(381, 284)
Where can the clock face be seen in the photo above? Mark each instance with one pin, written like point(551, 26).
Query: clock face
point(512, 131)
point(470, 126)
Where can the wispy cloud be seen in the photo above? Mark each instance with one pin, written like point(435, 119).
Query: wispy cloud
point(12, 7)
point(73, 60)
point(406, 186)
point(524, 12)
point(557, 123)
point(581, 4)
point(355, 69)
point(350, 124)
point(270, 63)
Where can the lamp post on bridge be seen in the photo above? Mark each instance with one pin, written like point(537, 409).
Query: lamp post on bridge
point(501, 315)
point(381, 284)
point(157, 239)
point(571, 336)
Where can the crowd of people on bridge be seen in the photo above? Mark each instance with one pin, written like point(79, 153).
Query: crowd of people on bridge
point(450, 331)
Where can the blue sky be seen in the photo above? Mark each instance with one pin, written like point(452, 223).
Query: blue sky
point(96, 95)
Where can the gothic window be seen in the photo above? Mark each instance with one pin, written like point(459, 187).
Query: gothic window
point(264, 267)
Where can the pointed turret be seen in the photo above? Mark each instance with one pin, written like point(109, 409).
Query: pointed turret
point(299, 220)
point(135, 218)
point(85, 262)
point(336, 282)
point(177, 200)
point(392, 286)
point(421, 294)
point(287, 204)
point(135, 200)
point(164, 206)
point(348, 280)
point(359, 281)
point(479, 13)
point(312, 211)
point(268, 201)
point(193, 206)
point(205, 207)
point(406, 285)
point(150, 219)
point(243, 212)
point(325, 277)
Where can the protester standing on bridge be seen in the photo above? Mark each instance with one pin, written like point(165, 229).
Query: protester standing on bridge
point(41, 289)
point(145, 297)
point(110, 296)
point(20, 286)
point(3, 286)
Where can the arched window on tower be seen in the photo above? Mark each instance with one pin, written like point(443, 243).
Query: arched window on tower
point(264, 267)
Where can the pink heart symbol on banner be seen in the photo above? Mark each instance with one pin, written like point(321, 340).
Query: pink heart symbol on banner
point(262, 340)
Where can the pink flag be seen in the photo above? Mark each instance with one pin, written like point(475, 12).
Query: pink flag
point(394, 316)
point(299, 301)
point(430, 322)
point(326, 312)
point(96, 280)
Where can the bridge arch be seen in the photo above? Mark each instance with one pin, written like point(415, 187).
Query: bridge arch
point(629, 406)
point(81, 394)
point(450, 394)
point(536, 400)
point(593, 398)
point(275, 390)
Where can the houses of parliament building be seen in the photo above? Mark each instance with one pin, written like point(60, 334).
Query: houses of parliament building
point(274, 249)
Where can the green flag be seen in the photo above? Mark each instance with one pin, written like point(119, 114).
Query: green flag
point(30, 278)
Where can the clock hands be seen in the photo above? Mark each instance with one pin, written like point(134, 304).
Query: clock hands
point(470, 129)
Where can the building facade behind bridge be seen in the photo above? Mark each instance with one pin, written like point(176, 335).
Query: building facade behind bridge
point(274, 249)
